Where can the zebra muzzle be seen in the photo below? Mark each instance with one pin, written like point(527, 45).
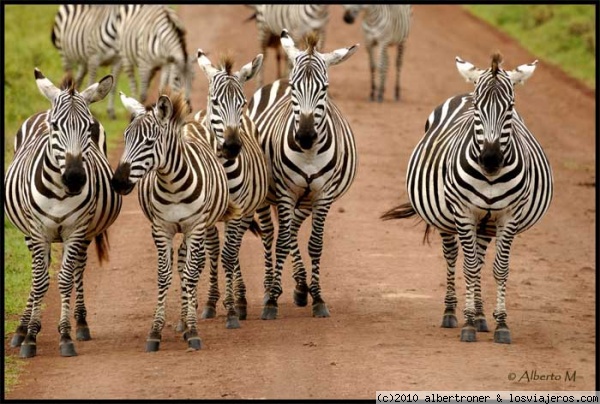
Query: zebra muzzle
point(74, 177)
point(491, 158)
point(120, 181)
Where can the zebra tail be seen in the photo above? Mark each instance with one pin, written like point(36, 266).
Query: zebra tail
point(404, 211)
point(255, 228)
point(102, 247)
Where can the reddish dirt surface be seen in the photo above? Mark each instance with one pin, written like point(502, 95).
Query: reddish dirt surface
point(384, 288)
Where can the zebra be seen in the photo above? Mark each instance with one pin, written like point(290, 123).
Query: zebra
point(152, 37)
point(384, 25)
point(57, 189)
point(311, 155)
point(478, 173)
point(298, 19)
point(87, 36)
point(234, 137)
point(182, 189)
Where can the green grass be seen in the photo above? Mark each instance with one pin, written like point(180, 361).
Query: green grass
point(28, 45)
point(564, 35)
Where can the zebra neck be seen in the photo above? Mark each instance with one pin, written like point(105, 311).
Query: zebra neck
point(174, 168)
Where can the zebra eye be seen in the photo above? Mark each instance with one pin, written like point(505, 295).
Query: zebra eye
point(215, 102)
point(54, 126)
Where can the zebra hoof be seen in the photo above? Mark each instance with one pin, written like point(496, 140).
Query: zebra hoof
point(502, 335)
point(449, 321)
point(208, 312)
point(83, 334)
point(16, 340)
point(194, 343)
point(152, 345)
point(301, 296)
point(111, 114)
point(67, 349)
point(269, 313)
point(320, 310)
point(266, 298)
point(180, 327)
point(28, 350)
point(481, 325)
point(468, 334)
point(232, 322)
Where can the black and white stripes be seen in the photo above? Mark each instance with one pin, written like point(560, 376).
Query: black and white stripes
point(57, 189)
point(311, 155)
point(478, 173)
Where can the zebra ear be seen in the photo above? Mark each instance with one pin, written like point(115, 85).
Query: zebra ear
point(206, 65)
point(98, 91)
point(288, 46)
point(46, 87)
point(339, 55)
point(132, 105)
point(522, 73)
point(249, 70)
point(164, 109)
point(468, 70)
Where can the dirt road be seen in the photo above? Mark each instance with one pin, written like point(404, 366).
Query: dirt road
point(384, 288)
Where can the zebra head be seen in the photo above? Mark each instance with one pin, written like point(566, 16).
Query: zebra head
point(309, 82)
point(226, 101)
point(351, 12)
point(70, 123)
point(493, 102)
point(144, 141)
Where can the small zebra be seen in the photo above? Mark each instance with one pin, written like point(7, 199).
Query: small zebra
point(298, 19)
point(182, 189)
point(311, 155)
point(235, 140)
point(383, 25)
point(478, 173)
point(57, 189)
point(87, 36)
point(152, 38)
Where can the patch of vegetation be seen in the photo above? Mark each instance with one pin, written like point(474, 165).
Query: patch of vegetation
point(564, 35)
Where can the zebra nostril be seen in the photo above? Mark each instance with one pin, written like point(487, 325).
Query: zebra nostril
point(348, 18)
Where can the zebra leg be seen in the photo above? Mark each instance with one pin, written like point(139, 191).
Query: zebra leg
point(82, 330)
point(212, 245)
point(504, 239)
point(181, 255)
point(285, 208)
point(450, 249)
point(239, 287)
point(399, 58)
point(163, 242)
point(383, 66)
point(74, 257)
point(40, 281)
point(468, 239)
point(191, 273)
point(372, 67)
point(116, 70)
point(146, 75)
point(268, 234)
point(315, 248)
point(231, 248)
point(480, 321)
point(299, 272)
point(81, 71)
point(128, 69)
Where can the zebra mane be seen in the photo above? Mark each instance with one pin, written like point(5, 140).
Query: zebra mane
point(226, 63)
point(68, 83)
point(311, 39)
point(496, 62)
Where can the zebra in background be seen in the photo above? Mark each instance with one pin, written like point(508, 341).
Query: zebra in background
point(234, 137)
point(88, 36)
point(298, 19)
point(182, 189)
point(383, 25)
point(311, 155)
point(152, 38)
point(478, 173)
point(57, 189)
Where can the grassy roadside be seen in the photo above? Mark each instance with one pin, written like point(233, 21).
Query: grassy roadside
point(564, 35)
point(25, 49)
